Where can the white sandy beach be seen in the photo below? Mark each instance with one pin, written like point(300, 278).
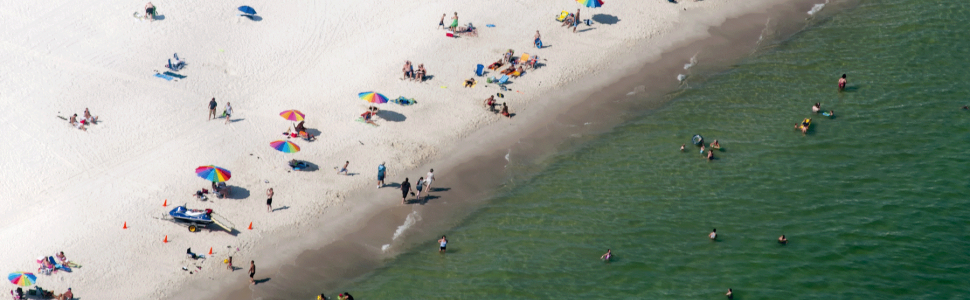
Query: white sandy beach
point(70, 190)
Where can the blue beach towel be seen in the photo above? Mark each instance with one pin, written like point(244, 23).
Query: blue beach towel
point(479, 69)
point(489, 25)
point(166, 77)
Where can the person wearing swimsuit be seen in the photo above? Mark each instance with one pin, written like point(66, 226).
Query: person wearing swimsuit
point(443, 242)
point(607, 256)
point(842, 82)
point(150, 11)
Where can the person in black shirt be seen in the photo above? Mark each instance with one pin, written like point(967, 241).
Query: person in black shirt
point(405, 189)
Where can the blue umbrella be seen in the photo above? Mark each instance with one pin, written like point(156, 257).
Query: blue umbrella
point(247, 10)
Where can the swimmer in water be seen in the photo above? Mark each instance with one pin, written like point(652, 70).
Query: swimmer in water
point(682, 145)
point(730, 294)
point(607, 256)
point(830, 114)
point(782, 240)
point(702, 149)
point(966, 107)
point(842, 83)
point(817, 107)
point(710, 155)
point(713, 234)
point(716, 145)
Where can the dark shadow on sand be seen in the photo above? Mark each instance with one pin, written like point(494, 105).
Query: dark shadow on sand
point(587, 29)
point(264, 280)
point(605, 19)
point(280, 208)
point(391, 116)
point(236, 192)
point(310, 167)
point(254, 18)
point(392, 185)
point(159, 17)
point(236, 120)
point(440, 189)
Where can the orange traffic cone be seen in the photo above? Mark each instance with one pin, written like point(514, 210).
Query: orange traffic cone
point(166, 239)
point(250, 225)
point(210, 250)
point(126, 225)
point(166, 203)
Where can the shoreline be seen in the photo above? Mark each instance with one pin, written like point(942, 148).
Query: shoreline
point(482, 157)
point(151, 134)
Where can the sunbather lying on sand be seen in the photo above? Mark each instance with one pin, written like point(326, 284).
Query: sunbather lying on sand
point(518, 72)
point(509, 70)
point(75, 123)
point(495, 65)
point(470, 82)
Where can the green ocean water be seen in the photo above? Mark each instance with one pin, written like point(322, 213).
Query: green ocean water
point(874, 202)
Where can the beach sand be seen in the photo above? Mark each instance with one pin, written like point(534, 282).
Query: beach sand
point(70, 190)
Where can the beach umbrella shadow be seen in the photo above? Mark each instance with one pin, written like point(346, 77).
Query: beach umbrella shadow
point(605, 19)
point(237, 192)
point(391, 116)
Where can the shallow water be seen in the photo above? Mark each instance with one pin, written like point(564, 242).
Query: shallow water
point(873, 201)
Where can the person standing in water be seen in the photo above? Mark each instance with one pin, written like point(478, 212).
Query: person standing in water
point(405, 189)
point(607, 256)
point(730, 294)
point(442, 243)
point(252, 271)
point(782, 240)
point(817, 107)
point(713, 234)
point(842, 83)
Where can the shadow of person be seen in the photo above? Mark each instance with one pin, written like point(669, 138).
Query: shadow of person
point(264, 280)
point(254, 18)
point(280, 208)
point(605, 19)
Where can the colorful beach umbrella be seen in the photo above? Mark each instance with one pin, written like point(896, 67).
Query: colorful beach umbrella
point(22, 278)
point(372, 97)
point(213, 173)
point(285, 146)
point(591, 3)
point(292, 115)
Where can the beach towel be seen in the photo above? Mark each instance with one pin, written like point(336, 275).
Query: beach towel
point(479, 69)
point(489, 25)
point(404, 101)
point(166, 77)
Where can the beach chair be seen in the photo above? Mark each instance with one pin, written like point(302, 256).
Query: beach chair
point(480, 70)
point(524, 58)
point(502, 81)
point(562, 16)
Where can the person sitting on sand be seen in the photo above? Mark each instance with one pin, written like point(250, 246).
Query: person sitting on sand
point(77, 124)
point(715, 145)
point(507, 57)
point(223, 189)
point(190, 254)
point(66, 295)
point(470, 82)
point(490, 103)
point(568, 22)
point(301, 131)
point(817, 107)
point(87, 116)
point(150, 11)
point(420, 73)
point(61, 258)
point(408, 70)
point(782, 240)
point(367, 116)
point(495, 65)
point(505, 111)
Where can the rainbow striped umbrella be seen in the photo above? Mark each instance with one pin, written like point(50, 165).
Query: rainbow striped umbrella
point(213, 173)
point(22, 278)
point(292, 115)
point(591, 3)
point(285, 146)
point(372, 97)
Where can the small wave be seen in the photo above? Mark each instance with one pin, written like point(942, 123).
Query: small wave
point(681, 77)
point(412, 218)
point(693, 61)
point(507, 155)
point(385, 247)
point(817, 8)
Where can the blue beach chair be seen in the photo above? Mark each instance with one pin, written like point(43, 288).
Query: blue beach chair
point(480, 70)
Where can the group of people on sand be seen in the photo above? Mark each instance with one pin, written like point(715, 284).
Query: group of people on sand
point(490, 103)
point(49, 265)
point(83, 123)
point(410, 73)
point(424, 183)
point(368, 116)
point(571, 20)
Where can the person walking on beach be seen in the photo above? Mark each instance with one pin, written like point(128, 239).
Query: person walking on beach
point(454, 22)
point(381, 169)
point(405, 189)
point(538, 40)
point(212, 108)
point(713, 234)
point(441, 24)
point(228, 112)
point(842, 83)
point(428, 179)
point(229, 264)
point(252, 271)
point(344, 169)
point(150, 12)
point(443, 243)
point(418, 186)
point(269, 200)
